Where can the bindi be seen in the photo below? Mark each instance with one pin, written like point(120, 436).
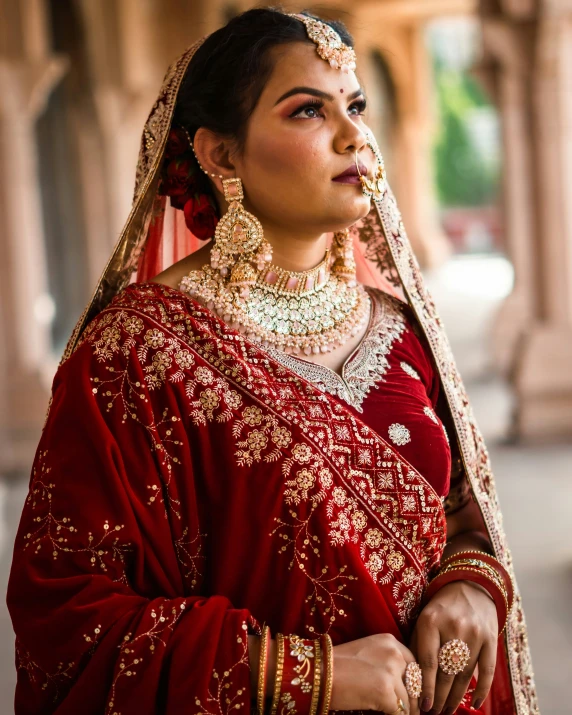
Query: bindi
point(341, 91)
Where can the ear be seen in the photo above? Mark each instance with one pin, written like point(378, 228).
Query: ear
point(214, 155)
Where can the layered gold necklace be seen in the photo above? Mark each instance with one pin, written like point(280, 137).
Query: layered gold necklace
point(307, 312)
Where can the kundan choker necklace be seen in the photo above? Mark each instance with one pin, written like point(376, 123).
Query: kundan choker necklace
point(307, 312)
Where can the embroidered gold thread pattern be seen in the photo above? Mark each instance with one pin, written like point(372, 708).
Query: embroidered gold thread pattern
point(262, 437)
point(224, 696)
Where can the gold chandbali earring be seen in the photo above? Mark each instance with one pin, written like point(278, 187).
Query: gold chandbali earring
point(240, 250)
point(344, 265)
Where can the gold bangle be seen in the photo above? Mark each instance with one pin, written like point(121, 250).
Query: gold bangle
point(329, 679)
point(480, 566)
point(279, 671)
point(501, 588)
point(468, 553)
point(261, 694)
point(317, 677)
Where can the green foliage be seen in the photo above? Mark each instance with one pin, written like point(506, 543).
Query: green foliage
point(464, 176)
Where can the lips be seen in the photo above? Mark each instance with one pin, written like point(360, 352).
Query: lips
point(352, 171)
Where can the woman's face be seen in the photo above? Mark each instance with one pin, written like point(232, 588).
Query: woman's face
point(303, 133)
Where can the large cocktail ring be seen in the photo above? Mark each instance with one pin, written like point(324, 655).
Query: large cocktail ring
point(400, 708)
point(413, 679)
point(454, 656)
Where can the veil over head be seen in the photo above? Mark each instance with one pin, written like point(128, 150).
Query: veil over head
point(155, 236)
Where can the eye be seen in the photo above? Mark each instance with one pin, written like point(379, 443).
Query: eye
point(360, 105)
point(312, 106)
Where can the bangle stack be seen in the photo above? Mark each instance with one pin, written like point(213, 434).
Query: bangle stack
point(480, 568)
point(304, 675)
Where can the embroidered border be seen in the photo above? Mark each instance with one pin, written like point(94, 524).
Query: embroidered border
point(366, 366)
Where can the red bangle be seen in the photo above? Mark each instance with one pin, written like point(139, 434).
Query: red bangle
point(475, 576)
point(491, 561)
point(298, 676)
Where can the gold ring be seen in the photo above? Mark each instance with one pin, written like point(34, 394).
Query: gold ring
point(400, 708)
point(413, 679)
point(454, 656)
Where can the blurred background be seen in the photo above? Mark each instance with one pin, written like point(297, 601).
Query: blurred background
point(471, 101)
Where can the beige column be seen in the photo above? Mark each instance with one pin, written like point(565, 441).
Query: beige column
point(531, 51)
point(508, 74)
point(27, 75)
point(543, 377)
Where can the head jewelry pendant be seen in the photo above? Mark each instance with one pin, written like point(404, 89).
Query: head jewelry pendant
point(330, 45)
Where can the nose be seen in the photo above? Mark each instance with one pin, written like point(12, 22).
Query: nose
point(350, 137)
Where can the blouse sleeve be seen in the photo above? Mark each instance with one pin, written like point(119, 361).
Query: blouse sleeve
point(105, 587)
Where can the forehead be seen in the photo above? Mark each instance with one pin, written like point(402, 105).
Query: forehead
point(298, 63)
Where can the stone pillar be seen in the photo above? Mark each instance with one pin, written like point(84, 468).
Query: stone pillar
point(507, 72)
point(543, 378)
point(533, 59)
point(27, 74)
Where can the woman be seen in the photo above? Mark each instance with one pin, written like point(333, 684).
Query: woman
point(246, 457)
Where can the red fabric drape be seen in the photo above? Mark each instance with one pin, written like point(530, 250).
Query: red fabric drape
point(187, 488)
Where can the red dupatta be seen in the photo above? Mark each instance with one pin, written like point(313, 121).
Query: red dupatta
point(188, 487)
point(145, 553)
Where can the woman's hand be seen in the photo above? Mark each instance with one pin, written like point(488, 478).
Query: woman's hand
point(459, 610)
point(369, 675)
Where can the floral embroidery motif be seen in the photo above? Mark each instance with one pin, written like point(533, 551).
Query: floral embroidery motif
point(162, 620)
point(106, 551)
point(362, 469)
point(406, 367)
point(58, 681)
point(399, 434)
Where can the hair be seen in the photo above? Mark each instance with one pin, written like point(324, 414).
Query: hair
point(227, 75)
point(220, 91)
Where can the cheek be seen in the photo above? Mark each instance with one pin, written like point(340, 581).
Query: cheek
point(279, 159)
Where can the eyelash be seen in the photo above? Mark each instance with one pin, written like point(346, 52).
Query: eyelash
point(318, 104)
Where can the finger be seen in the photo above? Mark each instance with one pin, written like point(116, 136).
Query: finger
point(461, 683)
point(401, 694)
point(428, 642)
point(487, 666)
point(443, 685)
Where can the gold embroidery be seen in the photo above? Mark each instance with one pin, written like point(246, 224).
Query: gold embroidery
point(60, 680)
point(225, 696)
point(130, 657)
point(54, 531)
point(260, 437)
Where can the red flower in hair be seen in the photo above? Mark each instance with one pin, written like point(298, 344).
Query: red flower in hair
point(200, 217)
point(177, 143)
point(178, 181)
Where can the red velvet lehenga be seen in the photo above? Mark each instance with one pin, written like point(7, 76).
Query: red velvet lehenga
point(190, 485)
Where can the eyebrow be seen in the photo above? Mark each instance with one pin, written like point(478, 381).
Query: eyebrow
point(316, 93)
